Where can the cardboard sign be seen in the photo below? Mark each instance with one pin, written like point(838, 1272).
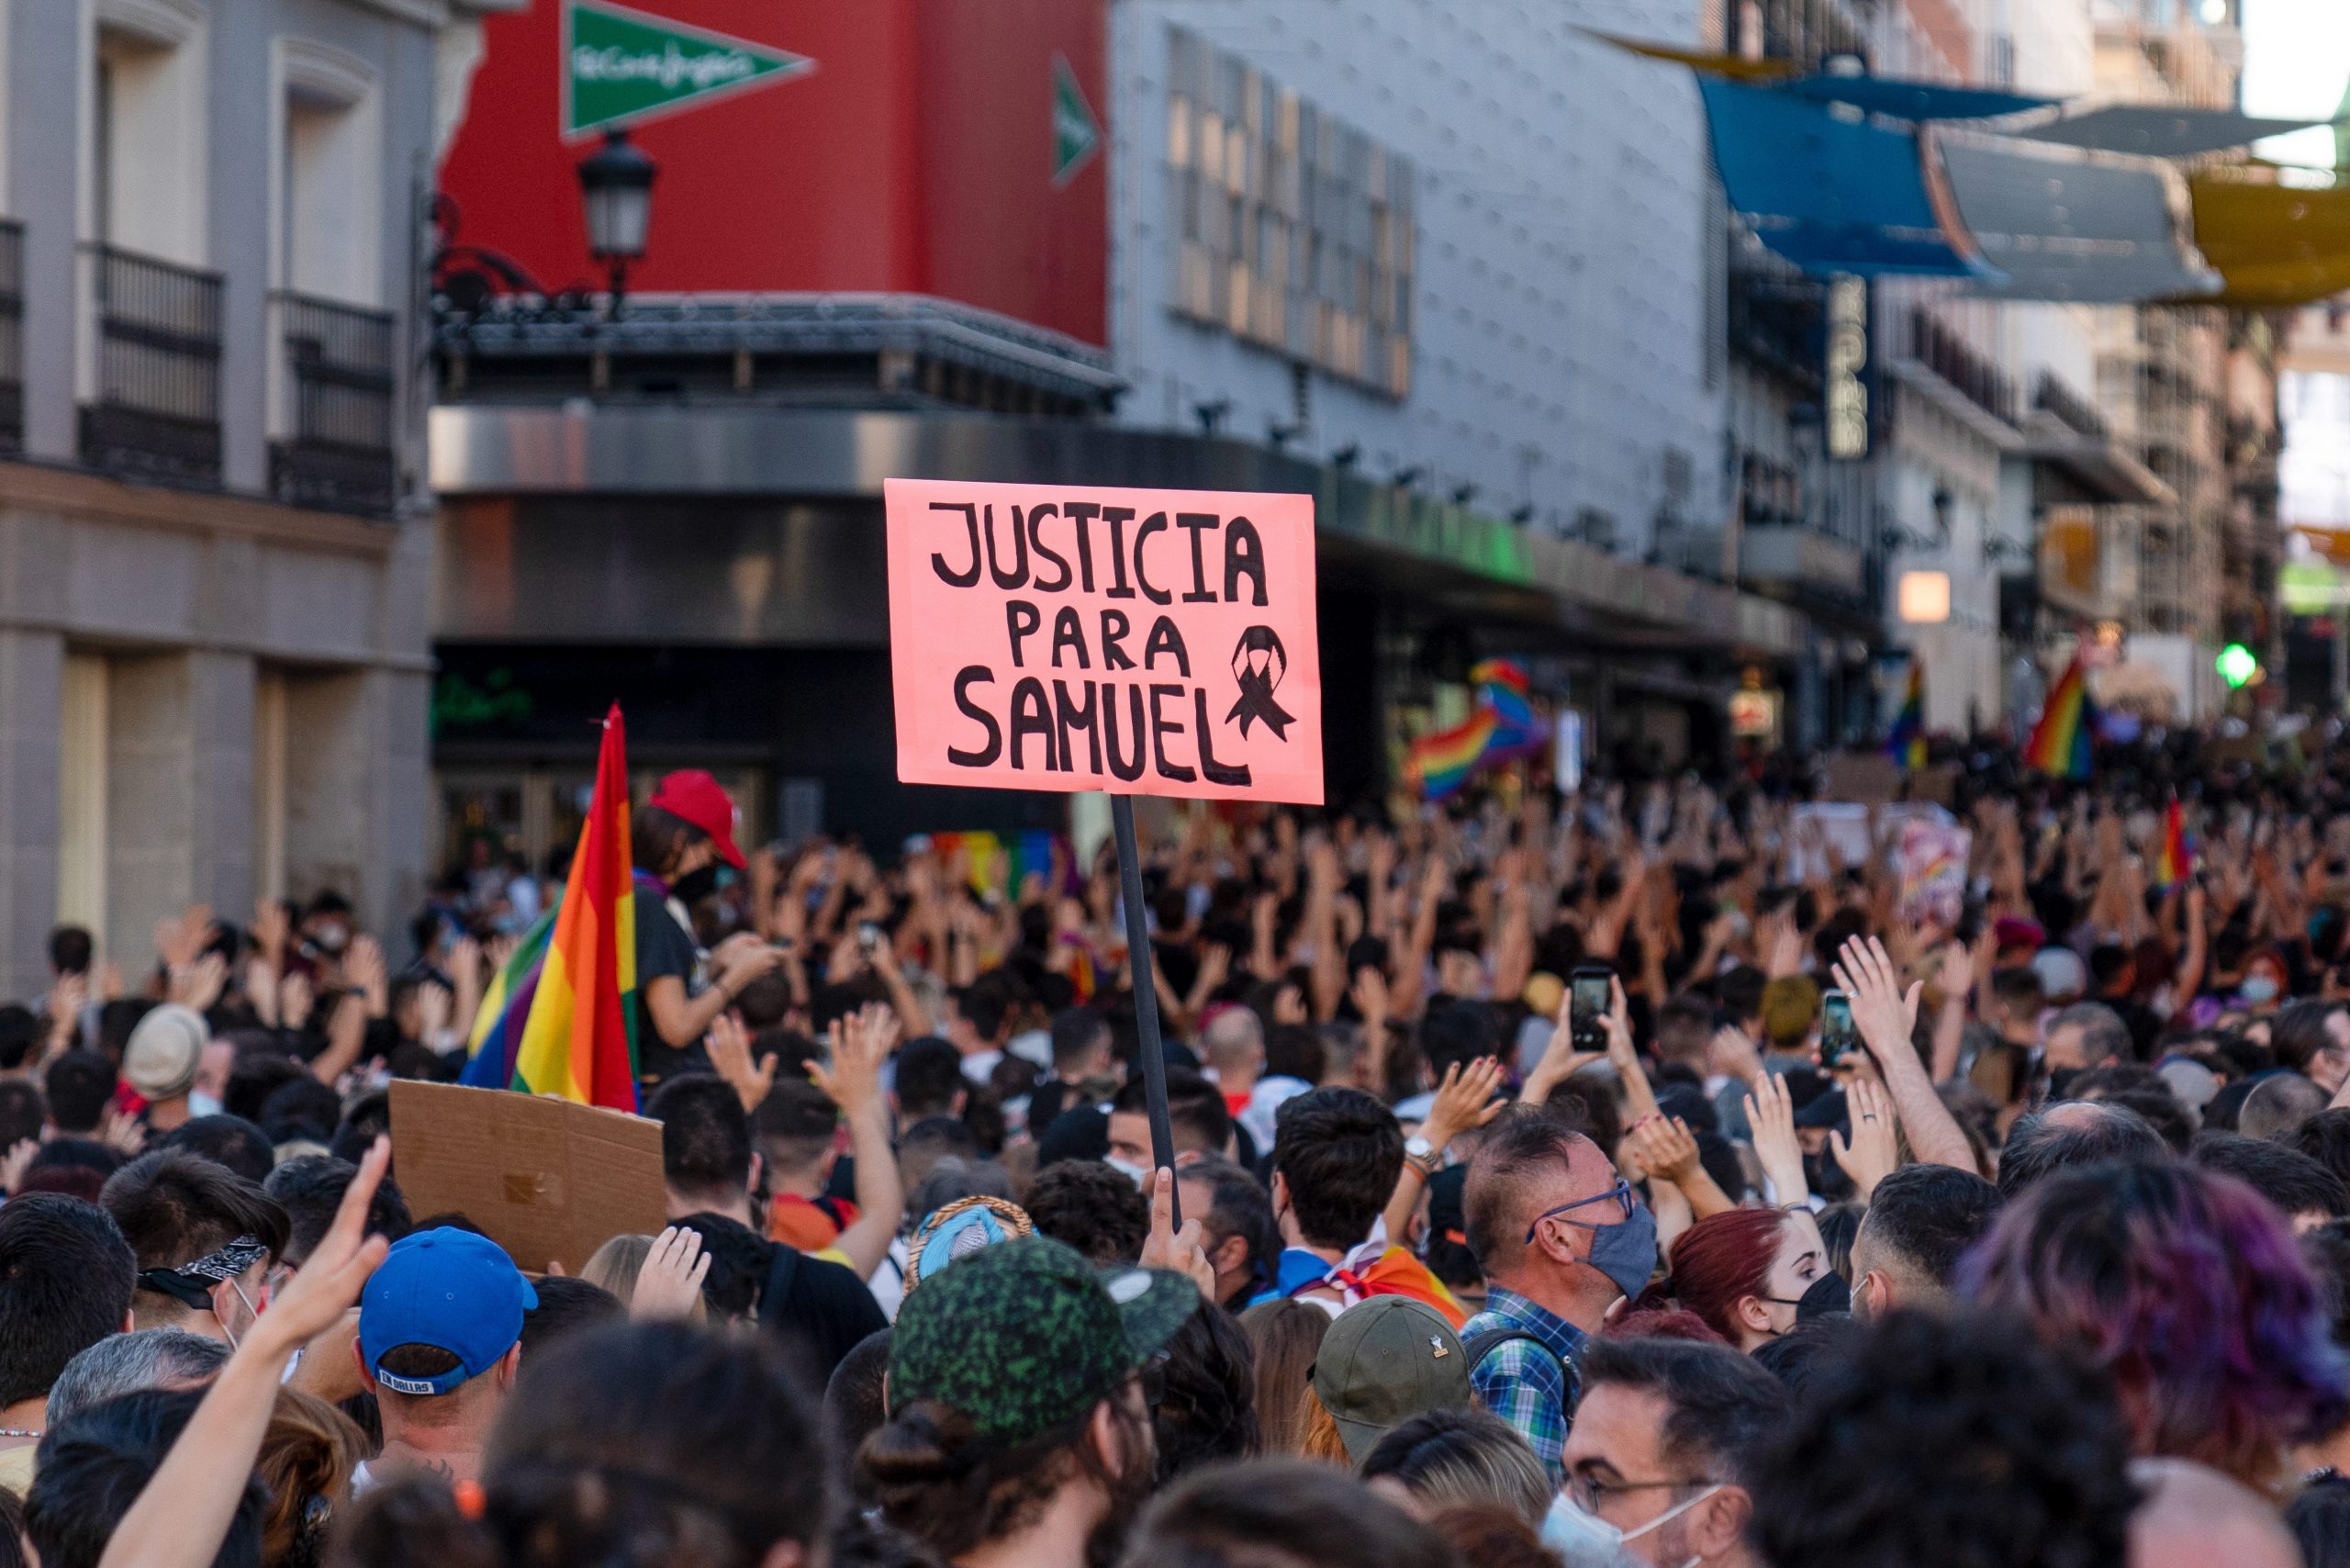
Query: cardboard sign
point(1140, 642)
point(546, 1180)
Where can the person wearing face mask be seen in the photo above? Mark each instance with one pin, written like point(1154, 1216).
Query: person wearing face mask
point(1749, 1274)
point(204, 1238)
point(677, 840)
point(1920, 1222)
point(1563, 1239)
point(1656, 1465)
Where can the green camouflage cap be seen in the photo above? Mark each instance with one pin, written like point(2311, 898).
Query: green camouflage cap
point(1022, 1337)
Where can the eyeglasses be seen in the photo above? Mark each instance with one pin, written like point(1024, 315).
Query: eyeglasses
point(1591, 1493)
point(1619, 1194)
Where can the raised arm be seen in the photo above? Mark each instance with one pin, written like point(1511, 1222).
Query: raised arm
point(860, 1044)
point(1886, 1016)
point(183, 1513)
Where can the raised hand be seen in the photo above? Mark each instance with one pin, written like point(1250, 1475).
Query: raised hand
point(1177, 1250)
point(364, 966)
point(199, 982)
point(1464, 1100)
point(1771, 1116)
point(328, 1281)
point(126, 1136)
point(1884, 1012)
point(1874, 1152)
point(1665, 1148)
point(668, 1283)
point(1734, 1054)
point(860, 1044)
point(729, 1045)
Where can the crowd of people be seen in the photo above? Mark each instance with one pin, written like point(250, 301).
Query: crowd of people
point(1637, 1178)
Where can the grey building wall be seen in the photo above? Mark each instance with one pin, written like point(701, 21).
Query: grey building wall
point(195, 596)
point(1562, 357)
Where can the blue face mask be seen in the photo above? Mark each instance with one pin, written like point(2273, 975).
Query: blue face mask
point(2258, 989)
point(1626, 1251)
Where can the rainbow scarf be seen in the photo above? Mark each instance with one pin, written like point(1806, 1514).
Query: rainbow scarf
point(560, 1017)
point(2059, 746)
point(1907, 743)
point(2174, 861)
point(1501, 726)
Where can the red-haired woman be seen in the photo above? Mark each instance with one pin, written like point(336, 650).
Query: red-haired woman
point(1744, 1272)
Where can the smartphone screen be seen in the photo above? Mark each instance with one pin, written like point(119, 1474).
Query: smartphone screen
point(1589, 994)
point(1836, 1033)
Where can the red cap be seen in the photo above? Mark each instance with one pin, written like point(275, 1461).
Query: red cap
point(691, 795)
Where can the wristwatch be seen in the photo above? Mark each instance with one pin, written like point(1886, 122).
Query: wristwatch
point(1421, 1155)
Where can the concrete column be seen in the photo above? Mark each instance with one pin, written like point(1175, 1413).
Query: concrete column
point(31, 690)
point(356, 788)
point(179, 793)
point(43, 103)
point(150, 802)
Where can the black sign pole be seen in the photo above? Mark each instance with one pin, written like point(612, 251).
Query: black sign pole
point(1141, 975)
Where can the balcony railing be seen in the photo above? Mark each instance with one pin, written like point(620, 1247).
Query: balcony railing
point(152, 400)
point(1949, 356)
point(332, 416)
point(2072, 410)
point(12, 335)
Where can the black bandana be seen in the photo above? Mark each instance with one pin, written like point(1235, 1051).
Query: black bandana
point(191, 1284)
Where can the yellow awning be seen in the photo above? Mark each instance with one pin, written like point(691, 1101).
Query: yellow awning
point(1735, 66)
point(2276, 245)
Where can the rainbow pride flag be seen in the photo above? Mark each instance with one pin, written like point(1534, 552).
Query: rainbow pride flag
point(565, 1024)
point(2060, 742)
point(2174, 861)
point(505, 1007)
point(1908, 740)
point(1501, 725)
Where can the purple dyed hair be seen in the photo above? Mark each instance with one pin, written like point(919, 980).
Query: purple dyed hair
point(2188, 1289)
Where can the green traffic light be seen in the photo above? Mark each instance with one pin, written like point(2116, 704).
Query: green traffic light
point(2236, 664)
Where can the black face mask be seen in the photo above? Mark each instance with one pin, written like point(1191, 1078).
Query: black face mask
point(695, 885)
point(2060, 1081)
point(1827, 1293)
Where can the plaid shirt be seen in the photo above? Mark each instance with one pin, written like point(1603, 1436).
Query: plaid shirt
point(1519, 1381)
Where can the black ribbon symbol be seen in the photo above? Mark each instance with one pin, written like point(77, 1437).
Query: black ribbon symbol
point(1257, 679)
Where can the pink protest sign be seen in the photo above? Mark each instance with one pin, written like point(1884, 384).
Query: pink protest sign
point(1141, 642)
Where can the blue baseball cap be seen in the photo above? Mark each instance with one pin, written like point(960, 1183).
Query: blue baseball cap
point(449, 1289)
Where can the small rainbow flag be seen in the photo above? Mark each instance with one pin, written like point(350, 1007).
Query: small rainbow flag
point(1907, 743)
point(505, 1007)
point(2175, 862)
point(1501, 726)
point(564, 1022)
point(2060, 742)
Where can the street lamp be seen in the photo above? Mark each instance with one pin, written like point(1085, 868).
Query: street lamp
point(616, 190)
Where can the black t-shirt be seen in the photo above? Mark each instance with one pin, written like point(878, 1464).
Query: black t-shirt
point(823, 1309)
point(663, 947)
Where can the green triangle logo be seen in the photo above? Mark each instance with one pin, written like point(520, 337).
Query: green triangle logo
point(620, 66)
point(1077, 134)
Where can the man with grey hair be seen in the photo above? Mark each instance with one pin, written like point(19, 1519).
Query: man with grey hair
point(2087, 1034)
point(170, 1358)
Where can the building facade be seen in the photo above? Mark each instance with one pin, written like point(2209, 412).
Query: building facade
point(1487, 340)
point(213, 540)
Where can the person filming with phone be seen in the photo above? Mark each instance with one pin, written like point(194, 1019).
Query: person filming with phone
point(677, 841)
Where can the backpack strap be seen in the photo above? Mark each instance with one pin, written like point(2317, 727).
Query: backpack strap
point(1480, 1346)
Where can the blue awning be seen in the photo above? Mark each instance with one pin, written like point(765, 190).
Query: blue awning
point(1908, 99)
point(1828, 194)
